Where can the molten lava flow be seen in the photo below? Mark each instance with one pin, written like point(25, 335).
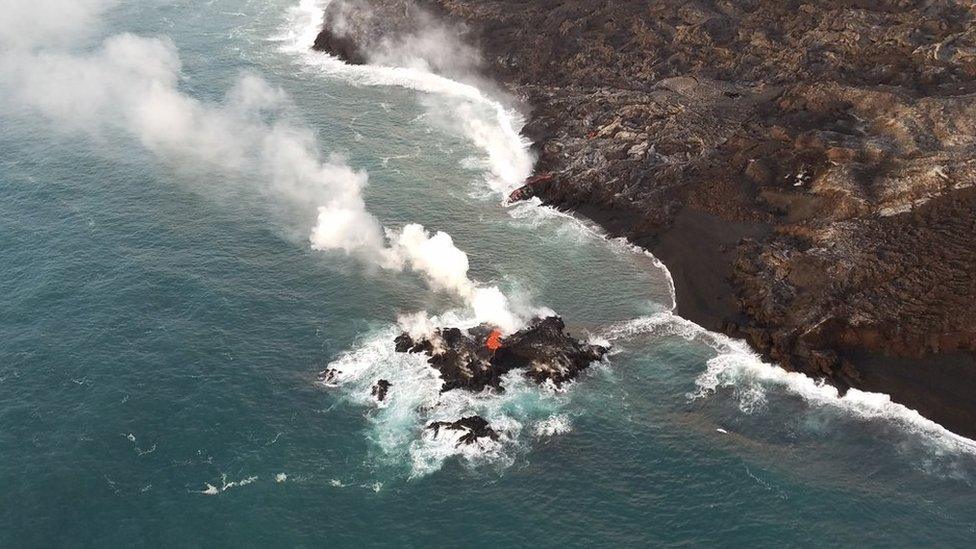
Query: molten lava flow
point(494, 341)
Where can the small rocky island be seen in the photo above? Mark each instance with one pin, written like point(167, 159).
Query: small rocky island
point(478, 358)
point(475, 427)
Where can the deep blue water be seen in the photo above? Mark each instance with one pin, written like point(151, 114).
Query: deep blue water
point(161, 328)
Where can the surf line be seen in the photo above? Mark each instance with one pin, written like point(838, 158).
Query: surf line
point(511, 162)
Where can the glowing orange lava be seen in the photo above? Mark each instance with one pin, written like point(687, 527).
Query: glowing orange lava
point(494, 341)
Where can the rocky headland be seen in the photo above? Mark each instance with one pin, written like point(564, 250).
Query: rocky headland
point(806, 170)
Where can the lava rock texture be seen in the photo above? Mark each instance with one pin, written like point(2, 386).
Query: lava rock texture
point(476, 427)
point(542, 350)
point(805, 169)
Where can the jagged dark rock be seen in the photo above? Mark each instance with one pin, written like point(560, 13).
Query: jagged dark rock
point(380, 389)
point(476, 427)
point(542, 350)
point(805, 170)
point(531, 187)
point(354, 28)
point(328, 376)
point(403, 343)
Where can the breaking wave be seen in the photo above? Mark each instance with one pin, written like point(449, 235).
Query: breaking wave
point(415, 399)
point(397, 426)
point(212, 490)
point(533, 213)
point(751, 382)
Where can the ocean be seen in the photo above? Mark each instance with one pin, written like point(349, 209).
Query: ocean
point(172, 280)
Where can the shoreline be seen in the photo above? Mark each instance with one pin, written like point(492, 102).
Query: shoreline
point(734, 241)
point(696, 251)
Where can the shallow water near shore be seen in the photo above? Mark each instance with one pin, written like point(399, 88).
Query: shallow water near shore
point(162, 329)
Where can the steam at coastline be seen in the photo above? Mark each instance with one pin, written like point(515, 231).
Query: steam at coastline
point(130, 84)
point(430, 59)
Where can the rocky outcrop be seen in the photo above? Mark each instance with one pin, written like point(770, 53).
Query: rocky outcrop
point(475, 427)
point(379, 390)
point(543, 351)
point(805, 170)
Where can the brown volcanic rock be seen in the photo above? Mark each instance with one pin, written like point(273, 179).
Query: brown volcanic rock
point(805, 170)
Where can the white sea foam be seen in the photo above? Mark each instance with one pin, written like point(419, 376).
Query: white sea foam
point(414, 401)
point(751, 380)
point(234, 484)
point(556, 424)
point(738, 368)
point(211, 490)
point(141, 451)
point(668, 324)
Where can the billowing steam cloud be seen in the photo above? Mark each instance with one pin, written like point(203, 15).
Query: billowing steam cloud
point(435, 256)
point(28, 23)
point(131, 85)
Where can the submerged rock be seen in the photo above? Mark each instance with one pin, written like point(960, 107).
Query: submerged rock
point(476, 427)
point(380, 389)
point(466, 359)
point(329, 376)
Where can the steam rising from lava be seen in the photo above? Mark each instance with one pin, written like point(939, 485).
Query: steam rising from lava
point(443, 265)
point(130, 86)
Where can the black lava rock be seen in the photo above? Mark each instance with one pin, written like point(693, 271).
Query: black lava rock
point(476, 427)
point(543, 350)
point(380, 389)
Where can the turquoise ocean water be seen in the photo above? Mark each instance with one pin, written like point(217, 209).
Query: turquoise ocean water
point(162, 324)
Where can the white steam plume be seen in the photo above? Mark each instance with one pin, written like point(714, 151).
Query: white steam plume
point(131, 84)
